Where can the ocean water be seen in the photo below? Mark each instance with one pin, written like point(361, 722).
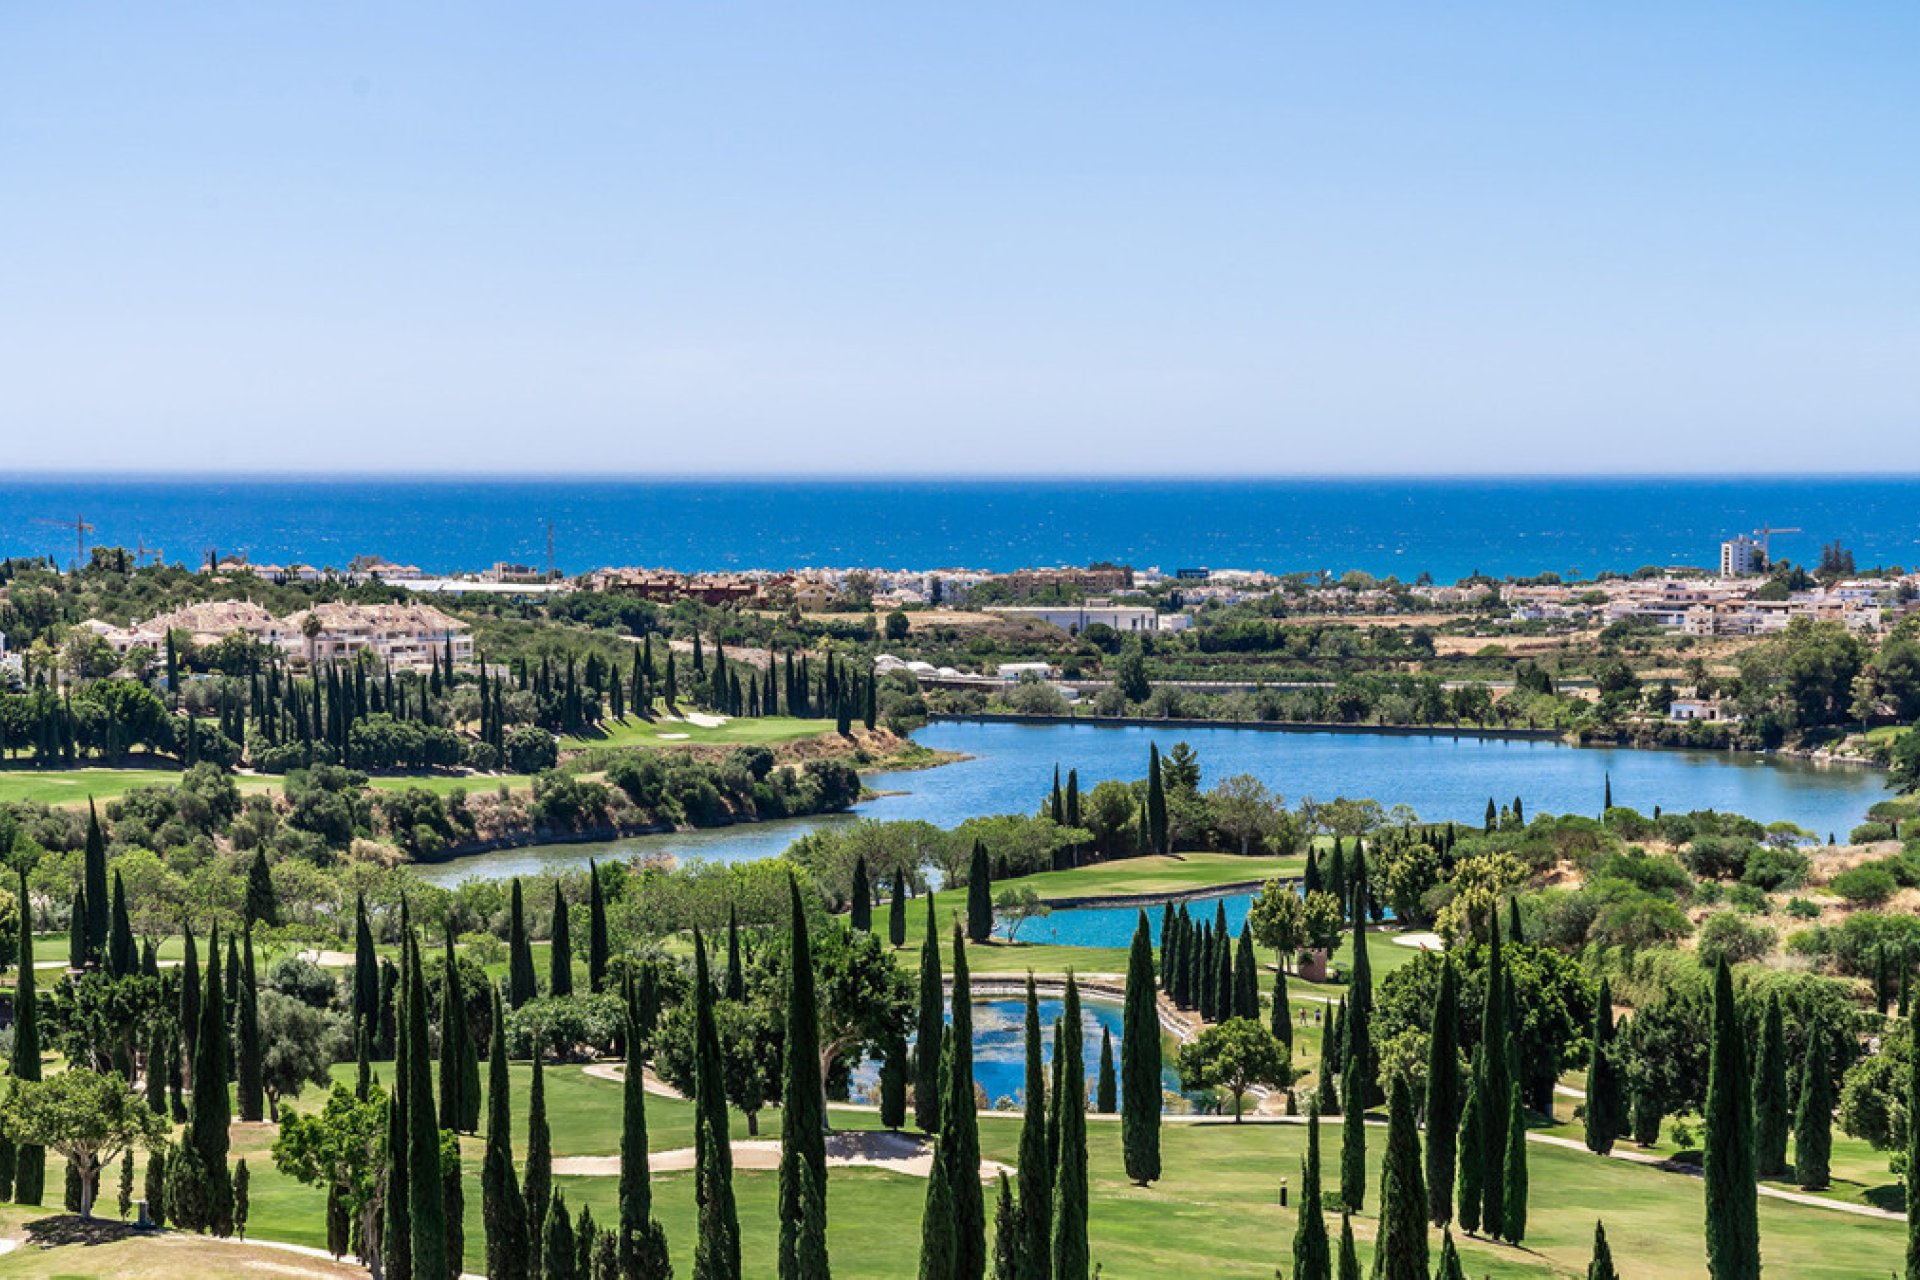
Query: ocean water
point(1446, 527)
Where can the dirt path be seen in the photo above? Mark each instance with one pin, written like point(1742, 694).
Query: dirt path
point(617, 1072)
point(846, 1148)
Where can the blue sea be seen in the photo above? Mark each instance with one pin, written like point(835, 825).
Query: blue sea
point(1446, 527)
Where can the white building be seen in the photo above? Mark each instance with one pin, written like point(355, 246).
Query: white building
point(1742, 557)
point(1074, 619)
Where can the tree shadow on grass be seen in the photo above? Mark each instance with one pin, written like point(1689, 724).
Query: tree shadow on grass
point(70, 1228)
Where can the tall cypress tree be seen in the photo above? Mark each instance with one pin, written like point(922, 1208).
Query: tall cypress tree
point(455, 1043)
point(642, 1245)
point(95, 872)
point(932, 1021)
point(1106, 1093)
point(559, 1251)
point(123, 955)
point(1494, 1084)
point(599, 950)
point(716, 1253)
point(366, 973)
point(211, 1112)
point(1771, 1106)
point(1913, 1146)
point(1473, 1157)
point(521, 984)
point(1813, 1120)
point(1281, 1020)
point(1070, 1245)
point(897, 912)
point(77, 958)
point(1349, 1256)
point(936, 1226)
point(1006, 1232)
point(960, 1129)
point(1605, 1102)
point(1140, 1062)
point(736, 984)
point(1353, 1129)
point(560, 949)
point(426, 1202)
point(502, 1208)
point(1449, 1268)
point(536, 1186)
point(1036, 1163)
point(1156, 802)
point(1733, 1227)
point(1312, 1256)
point(979, 907)
point(1246, 981)
point(861, 913)
point(30, 1162)
point(803, 1114)
point(1443, 1096)
point(1513, 1172)
point(1403, 1193)
point(250, 1091)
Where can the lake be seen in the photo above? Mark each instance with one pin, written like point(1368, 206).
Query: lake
point(1114, 926)
point(1440, 776)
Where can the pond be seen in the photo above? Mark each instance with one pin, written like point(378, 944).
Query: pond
point(1441, 777)
point(1000, 1048)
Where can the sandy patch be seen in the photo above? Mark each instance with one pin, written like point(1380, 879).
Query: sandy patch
point(868, 1149)
point(617, 1072)
point(673, 737)
point(328, 959)
point(704, 720)
point(1423, 941)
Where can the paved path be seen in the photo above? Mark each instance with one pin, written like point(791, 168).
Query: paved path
point(846, 1148)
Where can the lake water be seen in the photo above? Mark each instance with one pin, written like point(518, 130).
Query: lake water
point(1000, 1046)
point(1114, 926)
point(1441, 777)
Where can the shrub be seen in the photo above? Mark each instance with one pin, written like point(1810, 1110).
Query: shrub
point(1776, 869)
point(1868, 885)
point(1727, 936)
point(1747, 898)
point(1717, 857)
point(1802, 909)
point(1870, 833)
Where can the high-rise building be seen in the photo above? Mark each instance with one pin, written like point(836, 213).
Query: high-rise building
point(1742, 557)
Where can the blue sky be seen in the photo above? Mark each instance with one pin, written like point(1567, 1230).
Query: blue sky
point(1224, 238)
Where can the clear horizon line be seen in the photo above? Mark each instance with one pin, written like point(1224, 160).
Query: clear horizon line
point(31, 475)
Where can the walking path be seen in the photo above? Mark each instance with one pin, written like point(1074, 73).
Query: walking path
point(846, 1148)
point(1774, 1193)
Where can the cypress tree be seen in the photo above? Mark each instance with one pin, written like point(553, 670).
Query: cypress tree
point(717, 1247)
point(502, 1208)
point(521, 985)
point(897, 912)
point(1604, 1100)
point(1246, 982)
point(960, 1129)
point(894, 1067)
point(1494, 1081)
point(1156, 802)
point(1006, 1232)
point(1281, 1020)
point(536, 1186)
point(1473, 1162)
point(936, 1226)
point(803, 1113)
point(1770, 1103)
point(1036, 1164)
point(263, 904)
point(250, 1088)
point(426, 1196)
point(1403, 1193)
point(1312, 1258)
point(30, 1162)
point(77, 932)
point(1513, 1172)
point(642, 1245)
point(211, 1112)
point(1813, 1121)
point(366, 972)
point(1223, 984)
point(396, 1246)
point(1733, 1229)
point(598, 948)
point(1056, 805)
point(1443, 1096)
point(861, 913)
point(1349, 1256)
point(1882, 981)
point(1450, 1268)
point(1353, 1131)
point(812, 1258)
point(559, 1256)
point(123, 955)
point(95, 883)
point(560, 949)
point(1140, 1062)
point(1913, 1149)
point(1601, 1268)
point(1106, 1091)
point(1329, 1071)
point(979, 908)
point(1073, 798)
point(736, 987)
point(454, 1043)
point(1070, 1245)
point(932, 1021)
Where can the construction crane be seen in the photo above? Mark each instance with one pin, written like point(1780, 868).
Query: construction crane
point(141, 551)
point(1766, 533)
point(80, 529)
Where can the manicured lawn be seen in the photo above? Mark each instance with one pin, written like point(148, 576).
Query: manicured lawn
point(74, 786)
point(635, 731)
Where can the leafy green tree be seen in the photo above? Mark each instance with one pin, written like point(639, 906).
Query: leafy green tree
point(1140, 1061)
point(87, 1117)
point(1403, 1193)
point(1605, 1100)
point(343, 1150)
point(1235, 1055)
point(1733, 1226)
point(862, 910)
